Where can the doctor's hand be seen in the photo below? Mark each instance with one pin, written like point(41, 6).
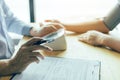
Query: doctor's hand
point(93, 37)
point(26, 55)
point(54, 22)
point(45, 29)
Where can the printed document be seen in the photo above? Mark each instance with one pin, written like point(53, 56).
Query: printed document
point(52, 68)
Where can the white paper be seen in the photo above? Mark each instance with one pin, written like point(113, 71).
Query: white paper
point(61, 69)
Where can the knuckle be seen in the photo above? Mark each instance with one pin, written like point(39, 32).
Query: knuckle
point(22, 48)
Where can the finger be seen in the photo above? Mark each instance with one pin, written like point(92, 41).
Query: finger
point(37, 54)
point(39, 42)
point(51, 26)
point(82, 37)
point(38, 47)
point(32, 41)
point(34, 59)
point(46, 30)
point(57, 25)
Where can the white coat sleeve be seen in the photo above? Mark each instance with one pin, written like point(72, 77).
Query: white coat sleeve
point(14, 24)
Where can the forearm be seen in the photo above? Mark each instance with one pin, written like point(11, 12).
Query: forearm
point(82, 27)
point(6, 68)
point(4, 64)
point(112, 42)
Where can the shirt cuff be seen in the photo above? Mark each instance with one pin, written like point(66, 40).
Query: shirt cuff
point(26, 31)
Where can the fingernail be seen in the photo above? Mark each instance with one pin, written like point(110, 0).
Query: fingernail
point(37, 61)
point(50, 49)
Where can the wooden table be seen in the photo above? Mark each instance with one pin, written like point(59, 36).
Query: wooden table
point(110, 60)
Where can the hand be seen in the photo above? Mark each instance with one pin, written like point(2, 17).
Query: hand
point(45, 29)
point(26, 55)
point(56, 23)
point(93, 37)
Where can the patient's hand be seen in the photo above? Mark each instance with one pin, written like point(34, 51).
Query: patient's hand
point(93, 37)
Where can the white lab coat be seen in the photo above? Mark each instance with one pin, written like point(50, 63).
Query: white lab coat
point(9, 23)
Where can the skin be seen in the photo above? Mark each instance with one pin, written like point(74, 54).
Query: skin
point(100, 39)
point(92, 32)
point(27, 53)
point(23, 58)
point(82, 27)
point(45, 29)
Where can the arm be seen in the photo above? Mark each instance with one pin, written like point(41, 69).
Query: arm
point(17, 26)
point(13, 24)
point(112, 42)
point(81, 27)
point(96, 24)
point(104, 25)
point(5, 68)
point(100, 39)
point(25, 56)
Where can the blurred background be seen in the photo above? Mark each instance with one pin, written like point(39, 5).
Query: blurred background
point(38, 10)
point(45, 9)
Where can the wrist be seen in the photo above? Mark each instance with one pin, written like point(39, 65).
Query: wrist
point(14, 66)
point(5, 67)
point(33, 32)
point(65, 25)
point(105, 40)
